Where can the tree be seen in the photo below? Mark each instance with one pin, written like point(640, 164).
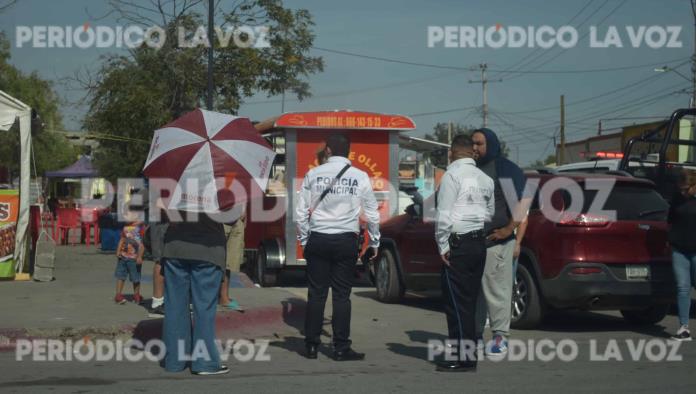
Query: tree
point(441, 134)
point(51, 151)
point(550, 159)
point(135, 94)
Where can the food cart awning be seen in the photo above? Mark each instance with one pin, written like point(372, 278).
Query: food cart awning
point(345, 120)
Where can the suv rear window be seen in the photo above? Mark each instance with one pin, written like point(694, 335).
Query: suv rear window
point(631, 202)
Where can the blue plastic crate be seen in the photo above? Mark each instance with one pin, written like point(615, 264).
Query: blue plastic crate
point(109, 238)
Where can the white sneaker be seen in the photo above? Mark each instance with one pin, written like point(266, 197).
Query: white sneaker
point(222, 370)
point(682, 334)
point(497, 347)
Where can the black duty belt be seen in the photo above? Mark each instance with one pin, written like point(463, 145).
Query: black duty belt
point(456, 239)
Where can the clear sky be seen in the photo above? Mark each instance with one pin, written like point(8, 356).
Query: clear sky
point(523, 107)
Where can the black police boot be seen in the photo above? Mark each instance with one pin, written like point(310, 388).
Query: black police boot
point(348, 355)
point(456, 366)
point(311, 351)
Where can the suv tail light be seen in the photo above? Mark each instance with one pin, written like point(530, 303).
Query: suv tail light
point(583, 220)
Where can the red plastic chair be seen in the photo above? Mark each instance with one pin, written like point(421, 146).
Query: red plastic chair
point(68, 219)
point(48, 223)
point(89, 218)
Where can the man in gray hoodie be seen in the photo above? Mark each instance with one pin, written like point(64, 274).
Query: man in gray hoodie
point(496, 287)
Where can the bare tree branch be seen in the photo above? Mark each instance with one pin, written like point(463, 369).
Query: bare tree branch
point(187, 6)
point(8, 4)
point(165, 10)
point(132, 12)
point(97, 18)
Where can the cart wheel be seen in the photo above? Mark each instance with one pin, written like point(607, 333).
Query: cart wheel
point(264, 276)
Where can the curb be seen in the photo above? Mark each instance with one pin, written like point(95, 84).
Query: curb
point(254, 323)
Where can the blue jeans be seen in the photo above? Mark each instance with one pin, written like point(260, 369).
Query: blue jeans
point(196, 282)
point(684, 266)
point(128, 268)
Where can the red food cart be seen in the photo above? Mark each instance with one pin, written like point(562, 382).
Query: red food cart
point(271, 245)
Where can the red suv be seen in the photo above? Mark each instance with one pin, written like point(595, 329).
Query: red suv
point(570, 260)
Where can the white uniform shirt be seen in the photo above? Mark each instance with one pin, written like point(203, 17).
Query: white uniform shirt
point(339, 212)
point(465, 201)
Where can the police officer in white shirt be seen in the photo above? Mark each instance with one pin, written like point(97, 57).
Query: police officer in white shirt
point(331, 199)
point(464, 202)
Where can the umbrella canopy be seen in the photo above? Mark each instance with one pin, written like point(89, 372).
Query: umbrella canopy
point(203, 148)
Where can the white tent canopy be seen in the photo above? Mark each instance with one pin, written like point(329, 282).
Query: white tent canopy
point(12, 109)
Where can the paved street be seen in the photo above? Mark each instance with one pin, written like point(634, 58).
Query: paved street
point(395, 339)
point(423, 132)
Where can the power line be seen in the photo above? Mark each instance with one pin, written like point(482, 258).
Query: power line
point(522, 61)
point(384, 59)
point(581, 38)
point(358, 91)
point(442, 112)
point(591, 98)
point(632, 105)
point(590, 116)
point(542, 54)
point(103, 136)
point(586, 71)
point(474, 68)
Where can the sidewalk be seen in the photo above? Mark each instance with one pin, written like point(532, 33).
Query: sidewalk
point(79, 303)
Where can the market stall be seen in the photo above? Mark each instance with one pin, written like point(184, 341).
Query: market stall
point(11, 112)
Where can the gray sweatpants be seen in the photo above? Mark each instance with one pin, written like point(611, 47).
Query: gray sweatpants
point(495, 296)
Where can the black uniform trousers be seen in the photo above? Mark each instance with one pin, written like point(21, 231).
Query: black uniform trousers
point(461, 282)
point(331, 260)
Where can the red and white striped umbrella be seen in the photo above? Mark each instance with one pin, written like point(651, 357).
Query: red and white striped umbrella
point(203, 147)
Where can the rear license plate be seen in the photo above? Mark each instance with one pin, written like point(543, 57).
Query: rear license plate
point(637, 272)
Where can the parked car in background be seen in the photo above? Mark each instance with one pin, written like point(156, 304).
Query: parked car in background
point(592, 166)
point(635, 168)
point(577, 260)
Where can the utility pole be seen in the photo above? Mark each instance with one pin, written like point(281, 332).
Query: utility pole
point(517, 154)
point(484, 85)
point(562, 154)
point(282, 103)
point(693, 60)
point(211, 43)
point(449, 133)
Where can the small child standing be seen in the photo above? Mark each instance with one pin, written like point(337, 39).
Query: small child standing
point(130, 261)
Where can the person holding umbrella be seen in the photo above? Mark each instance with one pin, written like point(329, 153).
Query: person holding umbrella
point(216, 161)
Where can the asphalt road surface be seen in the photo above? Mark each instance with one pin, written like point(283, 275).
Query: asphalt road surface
point(395, 339)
